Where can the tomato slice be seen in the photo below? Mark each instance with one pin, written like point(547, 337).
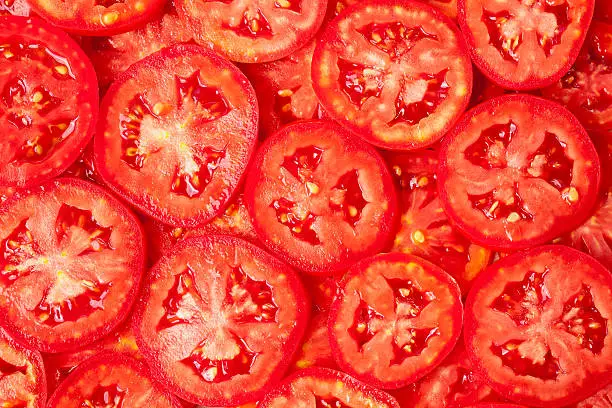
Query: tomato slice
point(319, 197)
point(394, 319)
point(322, 387)
point(501, 405)
point(15, 8)
point(315, 350)
point(425, 229)
point(586, 89)
point(518, 171)
point(22, 375)
point(524, 44)
point(603, 10)
point(239, 312)
point(538, 333)
point(70, 265)
point(396, 73)
point(603, 399)
point(177, 131)
point(253, 30)
point(48, 101)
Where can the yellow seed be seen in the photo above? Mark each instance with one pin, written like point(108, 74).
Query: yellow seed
point(8, 54)
point(37, 97)
point(131, 151)
point(285, 93)
point(284, 218)
point(255, 26)
point(210, 374)
point(312, 187)
point(352, 211)
point(405, 292)
point(571, 194)
point(594, 325)
point(397, 170)
point(286, 108)
point(361, 327)
point(422, 181)
point(61, 69)
point(493, 207)
point(297, 230)
point(376, 37)
point(110, 18)
point(513, 217)
point(418, 237)
point(407, 348)
point(161, 108)
point(283, 3)
point(38, 149)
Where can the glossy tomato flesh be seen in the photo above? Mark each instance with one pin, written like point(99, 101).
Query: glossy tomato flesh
point(315, 350)
point(15, 8)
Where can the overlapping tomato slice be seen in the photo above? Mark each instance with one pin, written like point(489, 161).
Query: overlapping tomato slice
point(315, 350)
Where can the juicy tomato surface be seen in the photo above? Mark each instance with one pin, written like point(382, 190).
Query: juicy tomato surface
point(48, 101)
point(15, 8)
point(319, 197)
point(602, 399)
point(22, 375)
point(177, 131)
point(603, 10)
point(397, 73)
point(394, 319)
point(239, 312)
point(538, 333)
point(253, 30)
point(517, 171)
point(321, 387)
point(524, 44)
point(84, 167)
point(70, 266)
point(501, 405)
point(322, 290)
point(315, 350)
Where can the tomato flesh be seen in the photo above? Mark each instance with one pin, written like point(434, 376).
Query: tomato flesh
point(15, 8)
point(603, 399)
point(315, 350)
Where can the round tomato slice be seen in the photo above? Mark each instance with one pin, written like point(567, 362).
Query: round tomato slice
point(538, 333)
point(97, 17)
point(239, 314)
point(111, 380)
point(48, 101)
point(70, 264)
point(315, 350)
point(394, 319)
point(586, 89)
point(319, 197)
point(15, 8)
point(524, 44)
point(177, 131)
point(425, 229)
point(517, 171)
point(322, 387)
point(396, 73)
point(22, 375)
point(253, 30)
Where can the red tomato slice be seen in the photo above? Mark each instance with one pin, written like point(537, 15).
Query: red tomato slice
point(48, 101)
point(315, 350)
point(517, 171)
point(177, 131)
point(425, 229)
point(396, 72)
point(326, 388)
point(586, 89)
point(239, 312)
point(524, 44)
point(394, 319)
point(603, 399)
point(111, 380)
point(253, 30)
point(22, 375)
point(98, 17)
point(70, 265)
point(501, 405)
point(15, 8)
point(538, 333)
point(319, 197)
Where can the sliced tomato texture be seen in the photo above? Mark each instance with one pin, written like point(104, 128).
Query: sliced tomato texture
point(22, 375)
point(98, 17)
point(84, 166)
point(323, 388)
point(539, 334)
point(425, 229)
point(602, 399)
point(395, 318)
point(111, 380)
point(517, 171)
point(322, 290)
point(586, 89)
point(319, 197)
point(48, 101)
point(315, 350)
point(500, 405)
point(176, 134)
point(397, 73)
point(70, 265)
point(239, 312)
point(15, 8)
point(253, 30)
point(525, 44)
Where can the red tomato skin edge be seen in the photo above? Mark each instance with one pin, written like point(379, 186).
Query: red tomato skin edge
point(457, 318)
point(594, 382)
point(137, 270)
point(292, 343)
point(368, 136)
point(566, 225)
point(532, 83)
point(329, 374)
point(154, 60)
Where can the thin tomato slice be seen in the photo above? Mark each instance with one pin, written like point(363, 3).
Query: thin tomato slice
point(394, 319)
point(319, 197)
point(15, 8)
point(538, 333)
point(518, 171)
point(177, 131)
point(253, 30)
point(321, 387)
point(525, 44)
point(395, 72)
point(239, 314)
point(70, 265)
point(48, 101)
